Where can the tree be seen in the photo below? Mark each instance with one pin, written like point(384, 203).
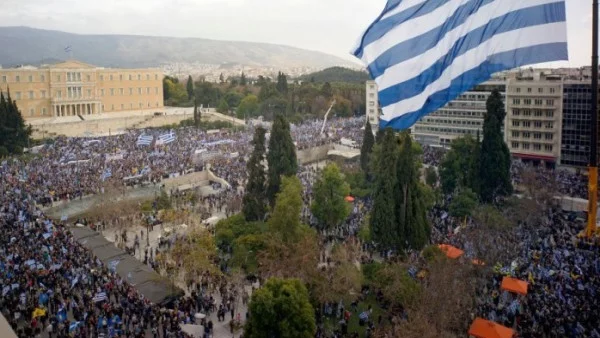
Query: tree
point(255, 197)
point(431, 177)
point(281, 158)
point(281, 309)
point(221, 78)
point(243, 80)
point(196, 255)
point(285, 219)
point(197, 114)
point(383, 217)
point(412, 226)
point(326, 90)
point(463, 203)
point(329, 205)
point(223, 107)
point(459, 168)
point(248, 107)
point(190, 87)
point(282, 85)
point(494, 170)
point(366, 148)
point(396, 285)
point(267, 91)
point(14, 134)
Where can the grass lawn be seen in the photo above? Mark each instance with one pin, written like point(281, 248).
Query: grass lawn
point(331, 323)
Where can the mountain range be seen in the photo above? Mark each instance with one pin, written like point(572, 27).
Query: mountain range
point(25, 45)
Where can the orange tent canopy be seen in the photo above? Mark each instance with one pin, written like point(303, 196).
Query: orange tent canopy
point(451, 251)
point(349, 199)
point(482, 328)
point(514, 285)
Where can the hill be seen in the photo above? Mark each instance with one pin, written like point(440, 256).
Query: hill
point(337, 74)
point(24, 45)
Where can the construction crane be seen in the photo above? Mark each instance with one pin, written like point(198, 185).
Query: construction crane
point(326, 115)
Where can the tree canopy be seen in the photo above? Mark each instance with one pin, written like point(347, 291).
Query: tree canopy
point(14, 135)
point(366, 148)
point(255, 197)
point(330, 190)
point(281, 156)
point(281, 309)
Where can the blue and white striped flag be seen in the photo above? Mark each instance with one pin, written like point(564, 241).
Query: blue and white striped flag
point(424, 53)
point(166, 138)
point(100, 297)
point(106, 174)
point(145, 140)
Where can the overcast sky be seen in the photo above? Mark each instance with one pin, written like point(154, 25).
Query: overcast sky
point(331, 26)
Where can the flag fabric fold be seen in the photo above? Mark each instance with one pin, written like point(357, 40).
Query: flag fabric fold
point(424, 53)
point(166, 138)
point(145, 140)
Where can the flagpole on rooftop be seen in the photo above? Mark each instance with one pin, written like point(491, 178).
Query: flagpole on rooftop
point(593, 165)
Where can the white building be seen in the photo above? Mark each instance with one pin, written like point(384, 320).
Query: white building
point(372, 103)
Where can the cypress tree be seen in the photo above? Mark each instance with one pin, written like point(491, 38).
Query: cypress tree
point(16, 134)
point(255, 197)
point(281, 157)
point(196, 113)
point(383, 218)
point(494, 169)
point(282, 85)
point(243, 80)
point(190, 87)
point(366, 148)
point(3, 129)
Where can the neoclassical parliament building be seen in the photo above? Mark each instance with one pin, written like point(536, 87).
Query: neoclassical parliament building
point(74, 88)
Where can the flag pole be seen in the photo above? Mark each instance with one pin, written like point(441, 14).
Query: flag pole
point(593, 165)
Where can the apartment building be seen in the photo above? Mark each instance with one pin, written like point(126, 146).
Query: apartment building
point(533, 123)
point(462, 116)
point(372, 105)
point(75, 88)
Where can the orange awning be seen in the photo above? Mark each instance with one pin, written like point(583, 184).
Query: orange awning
point(349, 199)
point(482, 328)
point(514, 285)
point(451, 251)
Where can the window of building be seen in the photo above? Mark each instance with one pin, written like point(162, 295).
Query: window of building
point(155, 76)
point(148, 104)
point(88, 77)
point(371, 111)
point(527, 101)
point(129, 77)
point(131, 106)
point(110, 77)
point(525, 146)
point(43, 94)
point(69, 92)
point(549, 136)
point(549, 113)
point(516, 101)
point(515, 112)
point(526, 112)
point(122, 106)
point(515, 123)
point(537, 147)
point(537, 136)
point(17, 78)
point(31, 111)
point(157, 104)
point(148, 79)
point(43, 78)
point(515, 133)
point(139, 77)
point(120, 77)
point(518, 90)
point(31, 94)
point(68, 77)
point(18, 95)
point(101, 92)
point(549, 102)
point(43, 111)
point(537, 124)
point(101, 77)
point(549, 125)
point(140, 90)
point(141, 104)
point(552, 90)
point(548, 147)
point(515, 145)
point(371, 95)
point(112, 107)
point(130, 91)
point(538, 102)
point(537, 113)
point(529, 90)
point(112, 92)
point(371, 87)
point(30, 78)
point(121, 91)
point(79, 77)
point(147, 90)
point(4, 80)
point(526, 134)
point(89, 93)
point(540, 90)
point(526, 124)
point(59, 94)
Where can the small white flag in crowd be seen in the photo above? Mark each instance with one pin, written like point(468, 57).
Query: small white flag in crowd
point(424, 53)
point(106, 174)
point(166, 138)
point(100, 297)
point(145, 140)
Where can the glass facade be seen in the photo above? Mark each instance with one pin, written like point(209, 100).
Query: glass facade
point(575, 146)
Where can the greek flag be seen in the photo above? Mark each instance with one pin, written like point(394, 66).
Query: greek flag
point(424, 53)
point(68, 49)
point(100, 297)
point(166, 138)
point(145, 140)
point(106, 174)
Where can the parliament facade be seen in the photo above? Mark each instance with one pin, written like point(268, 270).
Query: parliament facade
point(74, 88)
